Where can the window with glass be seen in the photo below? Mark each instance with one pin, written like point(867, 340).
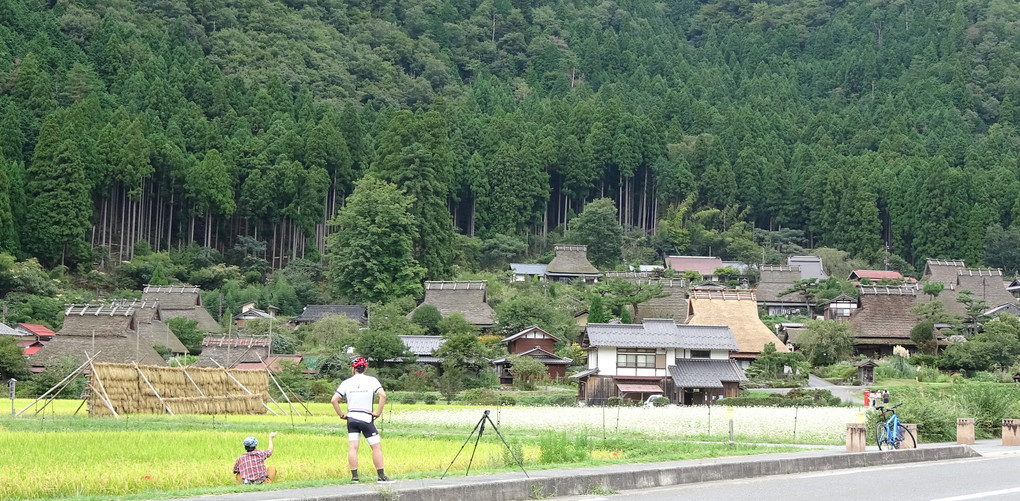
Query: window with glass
point(700, 354)
point(640, 358)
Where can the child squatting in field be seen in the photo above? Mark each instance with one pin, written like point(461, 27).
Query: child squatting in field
point(250, 467)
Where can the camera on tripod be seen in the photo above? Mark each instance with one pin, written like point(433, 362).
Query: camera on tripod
point(480, 427)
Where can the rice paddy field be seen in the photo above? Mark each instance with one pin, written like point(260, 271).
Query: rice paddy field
point(56, 455)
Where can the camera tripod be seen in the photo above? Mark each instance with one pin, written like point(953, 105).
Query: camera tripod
point(481, 430)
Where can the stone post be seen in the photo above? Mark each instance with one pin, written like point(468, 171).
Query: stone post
point(855, 433)
point(908, 442)
point(1011, 432)
point(965, 431)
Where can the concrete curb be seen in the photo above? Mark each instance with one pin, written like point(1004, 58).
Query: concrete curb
point(567, 482)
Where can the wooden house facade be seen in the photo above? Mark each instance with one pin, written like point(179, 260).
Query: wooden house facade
point(689, 364)
point(534, 342)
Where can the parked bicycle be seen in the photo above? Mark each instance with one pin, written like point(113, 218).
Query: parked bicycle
point(890, 432)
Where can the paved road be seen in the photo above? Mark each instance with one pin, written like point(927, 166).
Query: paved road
point(845, 393)
point(991, 478)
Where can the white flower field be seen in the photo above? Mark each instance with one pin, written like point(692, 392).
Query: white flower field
point(809, 425)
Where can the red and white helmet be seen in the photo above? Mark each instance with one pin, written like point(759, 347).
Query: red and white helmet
point(359, 362)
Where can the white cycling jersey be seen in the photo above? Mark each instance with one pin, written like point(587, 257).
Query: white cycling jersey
point(359, 391)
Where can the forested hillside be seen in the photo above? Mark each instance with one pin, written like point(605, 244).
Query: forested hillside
point(869, 125)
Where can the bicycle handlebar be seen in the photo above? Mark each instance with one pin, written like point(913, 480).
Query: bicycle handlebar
point(882, 408)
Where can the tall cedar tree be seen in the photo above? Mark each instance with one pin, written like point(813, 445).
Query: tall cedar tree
point(414, 154)
point(370, 255)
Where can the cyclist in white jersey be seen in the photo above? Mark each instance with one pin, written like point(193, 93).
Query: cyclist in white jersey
point(359, 392)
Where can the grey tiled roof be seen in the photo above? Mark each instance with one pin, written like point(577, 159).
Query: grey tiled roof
point(528, 269)
point(7, 331)
point(810, 266)
point(662, 333)
point(422, 345)
point(315, 312)
point(528, 330)
point(705, 373)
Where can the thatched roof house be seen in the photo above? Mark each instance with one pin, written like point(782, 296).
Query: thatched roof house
point(181, 301)
point(150, 325)
point(672, 306)
point(883, 318)
point(941, 270)
point(467, 298)
point(571, 262)
point(315, 312)
point(228, 352)
point(984, 284)
point(110, 330)
point(773, 281)
point(738, 310)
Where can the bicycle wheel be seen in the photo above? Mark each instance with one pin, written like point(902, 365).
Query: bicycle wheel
point(903, 435)
point(881, 435)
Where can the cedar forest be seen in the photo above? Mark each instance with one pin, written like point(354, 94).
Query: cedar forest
point(370, 145)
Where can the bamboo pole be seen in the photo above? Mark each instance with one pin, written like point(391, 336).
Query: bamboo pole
point(105, 396)
point(225, 371)
point(192, 381)
point(69, 376)
point(154, 392)
point(270, 373)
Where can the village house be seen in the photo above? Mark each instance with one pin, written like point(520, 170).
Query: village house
point(230, 351)
point(689, 364)
point(738, 310)
point(466, 298)
point(672, 306)
point(702, 265)
point(984, 284)
point(528, 272)
point(250, 312)
point(423, 348)
point(875, 276)
point(181, 301)
point(315, 312)
point(534, 342)
point(571, 263)
point(774, 280)
point(883, 319)
point(111, 331)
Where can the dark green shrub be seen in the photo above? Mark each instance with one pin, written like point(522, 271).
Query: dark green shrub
point(562, 400)
point(431, 398)
point(506, 400)
point(408, 399)
point(614, 401)
point(660, 401)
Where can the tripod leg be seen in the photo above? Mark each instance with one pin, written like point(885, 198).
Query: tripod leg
point(462, 446)
point(479, 437)
point(507, 446)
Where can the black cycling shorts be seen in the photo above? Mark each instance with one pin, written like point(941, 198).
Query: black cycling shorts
point(366, 429)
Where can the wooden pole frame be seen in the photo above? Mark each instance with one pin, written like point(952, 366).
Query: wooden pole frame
point(270, 373)
point(62, 381)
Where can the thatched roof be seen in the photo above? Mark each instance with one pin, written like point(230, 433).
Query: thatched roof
point(173, 297)
point(986, 284)
point(97, 319)
point(705, 373)
point(672, 306)
point(737, 310)
point(316, 312)
point(181, 301)
point(229, 352)
point(705, 265)
point(939, 270)
point(884, 313)
point(571, 260)
point(466, 298)
point(149, 324)
point(776, 279)
point(124, 348)
point(188, 390)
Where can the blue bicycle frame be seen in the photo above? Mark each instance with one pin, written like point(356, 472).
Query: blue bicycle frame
point(892, 436)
